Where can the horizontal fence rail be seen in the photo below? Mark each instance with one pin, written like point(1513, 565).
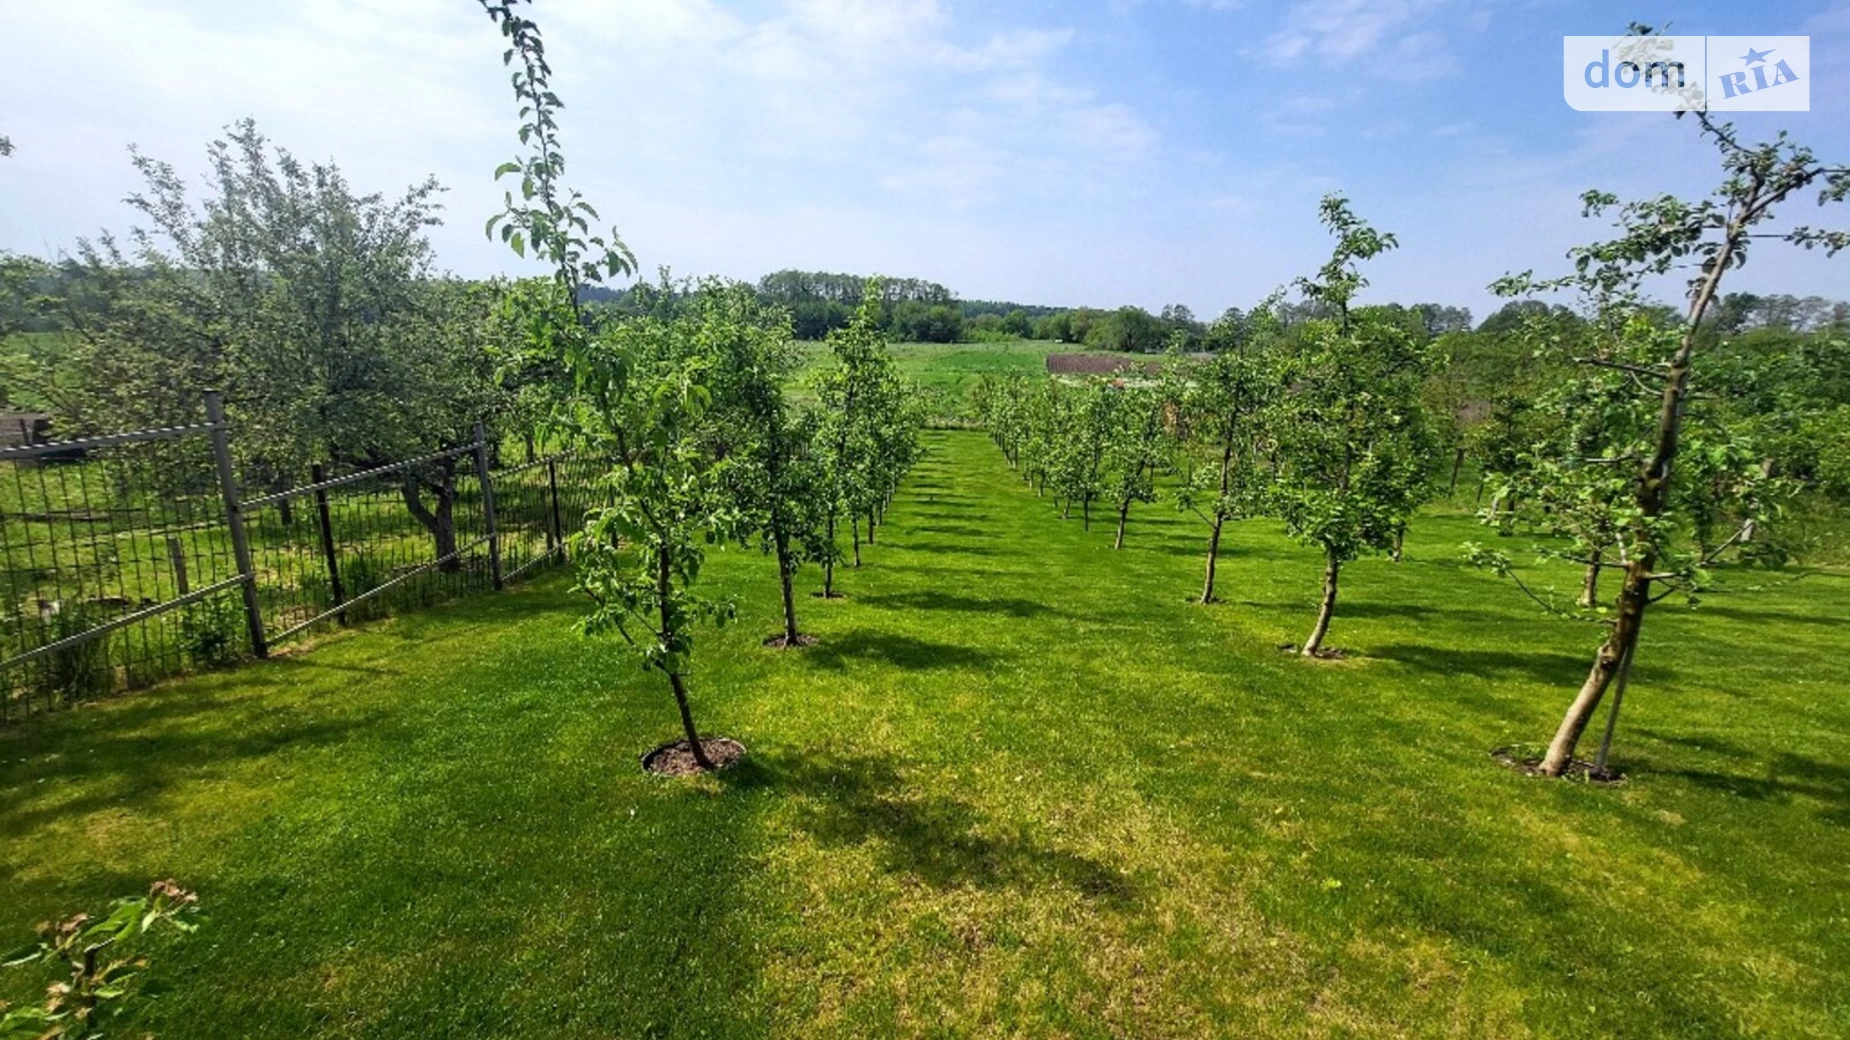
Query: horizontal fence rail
point(131, 557)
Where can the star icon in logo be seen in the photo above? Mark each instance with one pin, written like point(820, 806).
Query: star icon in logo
point(1754, 57)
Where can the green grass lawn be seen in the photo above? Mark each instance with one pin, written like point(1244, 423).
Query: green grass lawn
point(1021, 788)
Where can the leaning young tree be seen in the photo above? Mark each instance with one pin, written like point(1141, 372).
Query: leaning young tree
point(1353, 448)
point(636, 393)
point(1655, 365)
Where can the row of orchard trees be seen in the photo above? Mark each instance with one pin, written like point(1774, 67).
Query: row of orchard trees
point(1613, 460)
point(694, 408)
point(1322, 426)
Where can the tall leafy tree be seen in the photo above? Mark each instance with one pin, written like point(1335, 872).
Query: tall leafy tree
point(1633, 477)
point(1353, 448)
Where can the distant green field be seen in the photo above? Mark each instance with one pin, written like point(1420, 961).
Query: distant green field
point(1022, 787)
point(948, 371)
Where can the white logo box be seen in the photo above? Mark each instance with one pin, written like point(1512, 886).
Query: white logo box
point(1687, 73)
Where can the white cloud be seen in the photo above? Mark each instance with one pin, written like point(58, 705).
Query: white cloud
point(1395, 37)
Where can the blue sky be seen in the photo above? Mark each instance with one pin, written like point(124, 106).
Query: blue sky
point(1124, 151)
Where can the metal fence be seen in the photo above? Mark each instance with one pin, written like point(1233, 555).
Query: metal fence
point(132, 557)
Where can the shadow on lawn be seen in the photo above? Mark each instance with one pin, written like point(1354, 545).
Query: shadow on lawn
point(949, 549)
point(1552, 668)
point(131, 754)
point(1787, 775)
point(939, 840)
point(837, 652)
point(954, 530)
point(930, 600)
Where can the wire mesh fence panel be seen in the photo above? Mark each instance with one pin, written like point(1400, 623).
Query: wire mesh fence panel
point(117, 567)
point(121, 554)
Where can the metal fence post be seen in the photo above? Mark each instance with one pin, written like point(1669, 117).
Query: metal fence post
point(488, 503)
point(234, 519)
point(558, 529)
point(316, 475)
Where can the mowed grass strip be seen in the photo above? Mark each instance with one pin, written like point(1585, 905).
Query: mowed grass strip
point(1022, 787)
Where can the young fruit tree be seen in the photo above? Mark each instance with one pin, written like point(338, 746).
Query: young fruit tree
point(1077, 466)
point(643, 397)
point(1224, 400)
point(772, 472)
point(637, 393)
point(1136, 447)
point(1353, 448)
point(853, 391)
point(1617, 487)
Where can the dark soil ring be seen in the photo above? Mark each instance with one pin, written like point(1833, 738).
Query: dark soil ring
point(677, 759)
point(780, 643)
point(1577, 769)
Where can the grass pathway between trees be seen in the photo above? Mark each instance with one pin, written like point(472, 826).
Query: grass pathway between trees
point(1021, 787)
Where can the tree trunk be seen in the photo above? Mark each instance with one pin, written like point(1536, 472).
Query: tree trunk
point(1066, 512)
point(1653, 491)
point(870, 527)
point(285, 511)
point(1458, 462)
point(786, 576)
point(1332, 569)
point(687, 722)
point(1633, 597)
point(1124, 513)
point(526, 440)
point(1589, 585)
point(442, 522)
point(828, 563)
point(664, 587)
point(1400, 539)
point(854, 524)
point(1207, 586)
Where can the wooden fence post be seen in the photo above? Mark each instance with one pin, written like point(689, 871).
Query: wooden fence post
point(488, 503)
point(316, 475)
point(177, 555)
point(234, 520)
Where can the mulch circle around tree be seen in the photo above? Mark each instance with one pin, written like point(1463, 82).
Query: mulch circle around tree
point(1328, 653)
point(780, 643)
point(829, 595)
point(1577, 769)
point(677, 758)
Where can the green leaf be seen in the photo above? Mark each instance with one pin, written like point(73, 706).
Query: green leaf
point(519, 242)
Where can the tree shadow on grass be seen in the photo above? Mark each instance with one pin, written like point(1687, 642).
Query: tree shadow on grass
point(838, 652)
point(949, 549)
point(131, 757)
point(1787, 775)
point(929, 600)
point(1770, 618)
point(934, 838)
point(954, 530)
point(1539, 666)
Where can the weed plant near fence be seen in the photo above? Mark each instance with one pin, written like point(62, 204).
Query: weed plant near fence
point(133, 557)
